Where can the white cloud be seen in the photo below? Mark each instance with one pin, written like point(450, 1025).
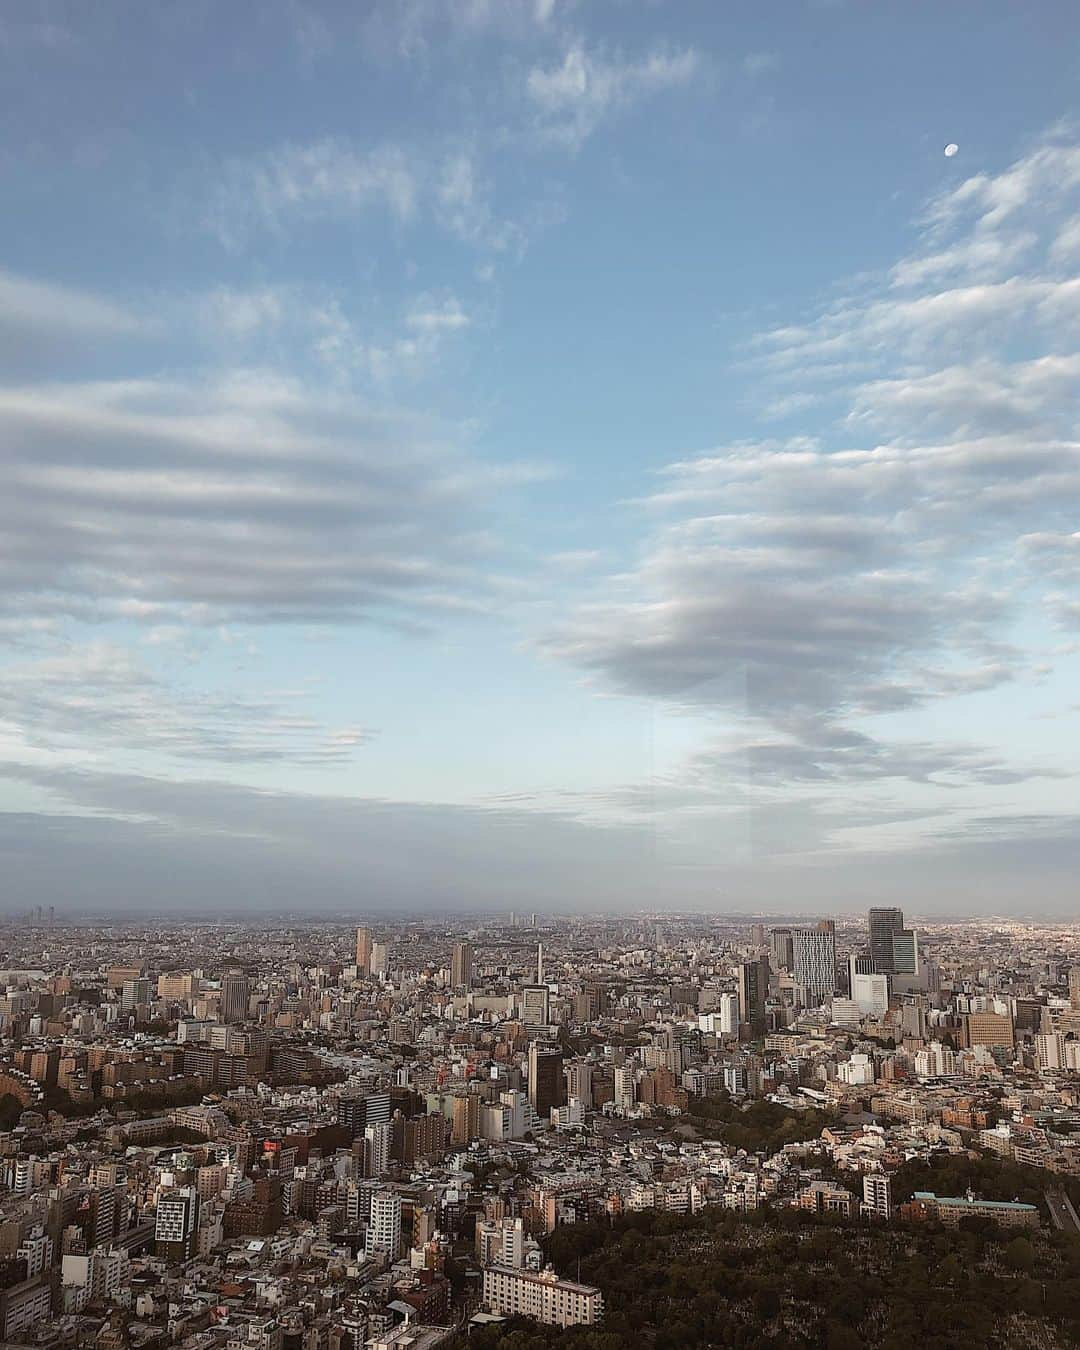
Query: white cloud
point(95, 701)
point(305, 181)
point(248, 494)
point(804, 588)
point(576, 95)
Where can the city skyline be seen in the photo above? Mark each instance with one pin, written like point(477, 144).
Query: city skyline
point(528, 455)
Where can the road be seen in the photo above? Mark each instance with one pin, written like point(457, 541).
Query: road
point(1062, 1212)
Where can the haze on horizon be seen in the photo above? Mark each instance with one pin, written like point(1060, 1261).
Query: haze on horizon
point(522, 454)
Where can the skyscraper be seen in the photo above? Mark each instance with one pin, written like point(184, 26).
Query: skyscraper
point(547, 1084)
point(753, 991)
point(1074, 988)
point(905, 952)
point(883, 924)
point(363, 950)
point(235, 993)
point(814, 953)
point(461, 965)
point(780, 948)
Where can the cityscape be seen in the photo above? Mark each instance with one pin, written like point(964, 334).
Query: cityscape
point(304, 1135)
point(539, 632)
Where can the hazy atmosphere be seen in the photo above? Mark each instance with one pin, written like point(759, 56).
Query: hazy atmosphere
point(490, 454)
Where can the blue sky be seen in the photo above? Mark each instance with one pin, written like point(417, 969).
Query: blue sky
point(532, 453)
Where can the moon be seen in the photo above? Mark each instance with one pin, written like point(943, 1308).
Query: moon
point(951, 149)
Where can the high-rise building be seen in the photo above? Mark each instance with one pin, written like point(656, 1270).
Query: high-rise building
point(134, 994)
point(883, 924)
point(547, 1086)
point(753, 991)
point(176, 1224)
point(235, 993)
point(461, 965)
point(383, 1237)
point(877, 1194)
point(357, 1113)
point(780, 948)
point(869, 991)
point(814, 967)
point(363, 950)
point(757, 935)
point(376, 1149)
point(1074, 988)
point(905, 947)
point(579, 1082)
point(625, 1087)
point(380, 957)
point(535, 1005)
point(729, 1015)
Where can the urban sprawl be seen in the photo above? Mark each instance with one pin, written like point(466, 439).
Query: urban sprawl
point(272, 1135)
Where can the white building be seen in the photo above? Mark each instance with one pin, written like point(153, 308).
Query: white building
point(543, 1297)
point(384, 1227)
point(870, 993)
point(856, 1071)
point(877, 1195)
point(501, 1243)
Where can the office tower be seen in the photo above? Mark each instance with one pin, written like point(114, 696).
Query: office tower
point(535, 1005)
point(579, 1083)
point(987, 1028)
point(539, 963)
point(547, 1086)
point(461, 965)
point(380, 957)
point(1074, 988)
point(383, 1237)
point(905, 952)
point(134, 994)
point(590, 1002)
point(814, 968)
point(729, 1015)
point(357, 1113)
point(235, 993)
point(363, 951)
point(869, 991)
point(883, 924)
point(780, 948)
point(877, 1195)
point(753, 991)
point(757, 935)
point(176, 1224)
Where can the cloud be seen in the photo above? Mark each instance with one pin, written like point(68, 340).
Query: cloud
point(41, 322)
point(431, 316)
point(242, 495)
point(95, 701)
point(328, 177)
point(336, 179)
point(805, 587)
point(573, 97)
point(202, 844)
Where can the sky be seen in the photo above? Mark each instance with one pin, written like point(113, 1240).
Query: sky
point(560, 455)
